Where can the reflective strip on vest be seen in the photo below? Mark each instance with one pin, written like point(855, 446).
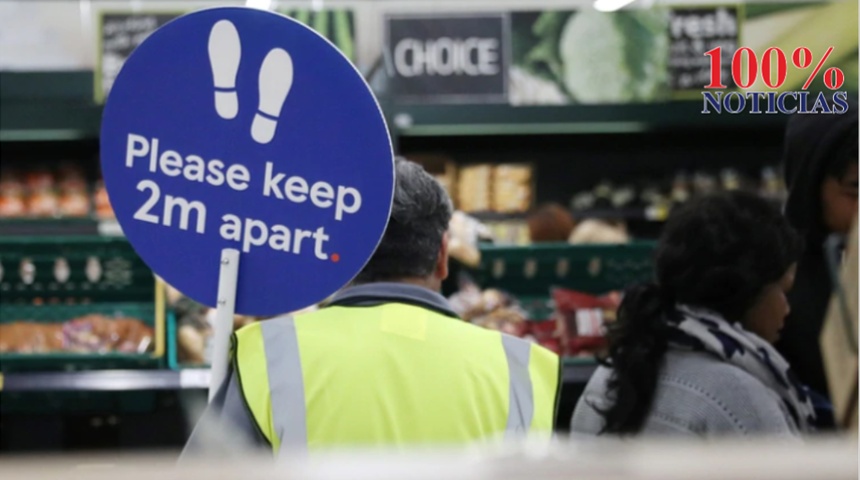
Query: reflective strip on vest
point(286, 385)
point(521, 403)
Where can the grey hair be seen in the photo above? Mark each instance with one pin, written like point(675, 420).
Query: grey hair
point(420, 215)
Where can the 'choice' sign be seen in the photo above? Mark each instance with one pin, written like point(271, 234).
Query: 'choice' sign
point(444, 58)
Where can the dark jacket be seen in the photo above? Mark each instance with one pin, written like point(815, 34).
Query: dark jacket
point(810, 148)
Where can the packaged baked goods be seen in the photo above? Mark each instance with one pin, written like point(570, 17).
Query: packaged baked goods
point(491, 309)
point(39, 179)
point(70, 177)
point(30, 337)
point(582, 318)
point(474, 188)
point(42, 203)
point(93, 333)
point(74, 203)
point(12, 204)
point(512, 188)
point(101, 202)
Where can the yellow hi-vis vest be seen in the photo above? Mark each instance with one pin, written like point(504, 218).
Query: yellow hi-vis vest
point(391, 375)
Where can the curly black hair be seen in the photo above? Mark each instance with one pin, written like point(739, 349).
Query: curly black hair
point(716, 252)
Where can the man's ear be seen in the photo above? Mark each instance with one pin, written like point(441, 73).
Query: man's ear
point(442, 259)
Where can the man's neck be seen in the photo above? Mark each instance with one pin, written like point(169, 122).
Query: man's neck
point(431, 284)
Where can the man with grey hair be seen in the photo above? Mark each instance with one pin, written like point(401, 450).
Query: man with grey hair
point(387, 362)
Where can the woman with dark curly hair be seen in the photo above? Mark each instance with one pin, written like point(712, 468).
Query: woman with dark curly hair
point(691, 353)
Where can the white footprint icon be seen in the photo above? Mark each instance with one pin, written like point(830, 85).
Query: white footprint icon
point(276, 79)
point(225, 52)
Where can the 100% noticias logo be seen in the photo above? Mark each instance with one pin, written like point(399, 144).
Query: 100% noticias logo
point(774, 72)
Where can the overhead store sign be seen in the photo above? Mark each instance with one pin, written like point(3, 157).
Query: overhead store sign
point(119, 33)
point(443, 58)
point(237, 128)
point(694, 31)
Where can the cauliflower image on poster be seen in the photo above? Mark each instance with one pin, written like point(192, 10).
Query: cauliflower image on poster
point(591, 57)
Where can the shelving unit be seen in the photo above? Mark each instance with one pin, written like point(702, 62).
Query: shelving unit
point(105, 380)
point(53, 112)
point(500, 120)
point(47, 106)
point(60, 227)
point(575, 371)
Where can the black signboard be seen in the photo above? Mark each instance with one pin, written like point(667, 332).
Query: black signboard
point(694, 31)
point(119, 35)
point(451, 59)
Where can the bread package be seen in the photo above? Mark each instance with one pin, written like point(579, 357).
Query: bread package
point(474, 189)
point(512, 188)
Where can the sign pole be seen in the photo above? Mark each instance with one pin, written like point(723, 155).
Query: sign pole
point(227, 280)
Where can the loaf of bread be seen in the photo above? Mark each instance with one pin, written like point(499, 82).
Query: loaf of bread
point(474, 188)
point(512, 188)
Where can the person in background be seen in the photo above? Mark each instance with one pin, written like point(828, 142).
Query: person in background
point(691, 353)
point(820, 166)
point(386, 363)
point(550, 222)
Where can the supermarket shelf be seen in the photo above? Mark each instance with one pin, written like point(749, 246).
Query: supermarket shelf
point(48, 106)
point(462, 120)
point(497, 216)
point(60, 227)
point(575, 371)
point(104, 380)
point(651, 214)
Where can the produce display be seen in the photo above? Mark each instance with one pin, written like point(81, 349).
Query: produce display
point(510, 232)
point(654, 198)
point(574, 326)
point(61, 192)
point(599, 231)
point(92, 333)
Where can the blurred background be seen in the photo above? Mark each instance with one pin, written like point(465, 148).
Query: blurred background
point(564, 143)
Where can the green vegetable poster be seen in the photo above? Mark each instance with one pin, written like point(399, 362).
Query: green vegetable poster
point(814, 25)
point(589, 57)
point(658, 54)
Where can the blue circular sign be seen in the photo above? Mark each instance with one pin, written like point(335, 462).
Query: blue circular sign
point(241, 128)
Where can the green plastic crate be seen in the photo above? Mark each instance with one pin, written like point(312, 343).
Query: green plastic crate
point(124, 277)
point(533, 270)
point(125, 287)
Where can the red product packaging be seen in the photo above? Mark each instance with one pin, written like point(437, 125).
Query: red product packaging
point(547, 334)
point(582, 318)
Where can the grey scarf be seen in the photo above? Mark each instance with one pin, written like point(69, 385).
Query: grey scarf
point(702, 330)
